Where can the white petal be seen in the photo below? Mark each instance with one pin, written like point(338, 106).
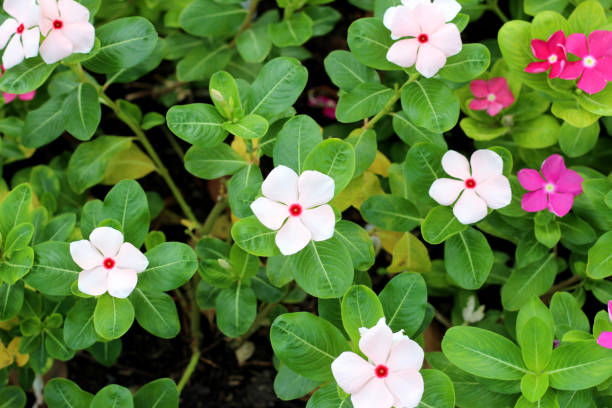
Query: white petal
point(389, 16)
point(71, 11)
point(407, 386)
point(270, 213)
point(445, 191)
point(486, 164)
point(470, 208)
point(7, 29)
point(449, 8)
point(81, 34)
point(121, 282)
point(19, 8)
point(85, 255)
point(94, 281)
point(413, 3)
point(374, 394)
point(447, 39)
point(55, 47)
point(292, 237)
point(495, 191)
point(429, 60)
point(376, 342)
point(403, 52)
point(48, 9)
point(45, 24)
point(108, 240)
point(404, 23)
point(315, 188)
point(320, 221)
point(281, 185)
point(455, 164)
point(13, 54)
point(351, 372)
point(130, 257)
point(406, 354)
point(31, 40)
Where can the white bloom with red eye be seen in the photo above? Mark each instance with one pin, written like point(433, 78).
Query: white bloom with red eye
point(484, 185)
point(108, 263)
point(66, 25)
point(296, 207)
point(390, 377)
point(22, 26)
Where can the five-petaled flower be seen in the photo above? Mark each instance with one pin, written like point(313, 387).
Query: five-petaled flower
point(22, 26)
point(66, 25)
point(391, 376)
point(492, 95)
point(595, 63)
point(108, 263)
point(485, 185)
point(552, 52)
point(605, 338)
point(555, 192)
point(302, 202)
point(432, 38)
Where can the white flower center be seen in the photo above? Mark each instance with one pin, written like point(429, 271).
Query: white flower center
point(549, 187)
point(553, 58)
point(589, 62)
point(491, 97)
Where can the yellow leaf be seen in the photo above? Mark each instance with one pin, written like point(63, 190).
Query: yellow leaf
point(240, 147)
point(9, 324)
point(131, 164)
point(380, 165)
point(358, 191)
point(222, 227)
point(410, 254)
point(13, 349)
point(6, 358)
point(388, 239)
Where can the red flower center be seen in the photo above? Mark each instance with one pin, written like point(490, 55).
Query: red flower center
point(20, 29)
point(470, 183)
point(57, 24)
point(381, 371)
point(109, 263)
point(423, 38)
point(295, 210)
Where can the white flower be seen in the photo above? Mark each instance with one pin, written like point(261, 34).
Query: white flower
point(391, 376)
point(23, 27)
point(67, 27)
point(470, 313)
point(300, 201)
point(483, 186)
point(108, 263)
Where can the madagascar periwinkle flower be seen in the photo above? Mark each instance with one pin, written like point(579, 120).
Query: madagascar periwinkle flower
point(296, 207)
point(66, 25)
point(431, 39)
point(552, 52)
point(595, 66)
point(556, 191)
point(8, 97)
point(389, 378)
point(605, 338)
point(492, 95)
point(21, 28)
point(109, 264)
point(328, 105)
point(481, 186)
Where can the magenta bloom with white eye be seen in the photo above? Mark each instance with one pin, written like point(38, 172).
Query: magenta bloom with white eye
point(431, 39)
point(605, 338)
point(492, 95)
point(595, 66)
point(21, 28)
point(556, 191)
point(67, 27)
point(481, 186)
point(108, 263)
point(553, 54)
point(296, 207)
point(390, 377)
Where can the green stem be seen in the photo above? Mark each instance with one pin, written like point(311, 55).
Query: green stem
point(173, 142)
point(494, 7)
point(562, 285)
point(196, 335)
point(259, 320)
point(390, 104)
point(246, 23)
point(214, 214)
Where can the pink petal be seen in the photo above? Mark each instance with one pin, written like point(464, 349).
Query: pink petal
point(94, 281)
point(534, 201)
point(494, 108)
point(497, 84)
point(121, 282)
point(8, 98)
point(292, 237)
point(556, 69)
point(447, 39)
point(71, 11)
point(376, 342)
point(610, 309)
point(530, 179)
point(270, 213)
point(537, 67)
point(27, 96)
point(605, 340)
point(445, 191)
point(577, 45)
point(505, 97)
point(470, 208)
point(85, 255)
point(495, 191)
point(592, 81)
point(351, 372)
point(55, 47)
point(406, 354)
point(107, 240)
point(486, 164)
point(480, 88)
point(407, 387)
point(572, 70)
point(555, 41)
point(48, 9)
point(315, 188)
point(569, 182)
point(553, 168)
point(429, 18)
point(560, 203)
point(403, 23)
point(479, 104)
point(540, 49)
point(373, 395)
point(329, 113)
point(403, 52)
point(81, 34)
point(600, 43)
point(320, 221)
point(449, 8)
point(281, 185)
point(130, 257)
point(429, 60)
point(604, 67)
point(455, 164)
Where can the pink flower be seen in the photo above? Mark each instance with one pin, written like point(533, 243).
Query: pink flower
point(66, 25)
point(391, 375)
point(8, 97)
point(605, 338)
point(328, 105)
point(21, 28)
point(552, 51)
point(432, 38)
point(595, 65)
point(492, 95)
point(556, 193)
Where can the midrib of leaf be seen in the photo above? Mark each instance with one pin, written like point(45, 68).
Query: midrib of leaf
point(80, 105)
point(469, 254)
point(101, 157)
point(364, 100)
point(401, 303)
point(312, 346)
point(316, 252)
point(158, 401)
point(208, 56)
point(21, 201)
point(399, 215)
point(61, 392)
point(115, 328)
point(108, 46)
point(444, 229)
point(164, 265)
point(54, 268)
point(533, 275)
point(415, 128)
point(431, 107)
point(56, 340)
point(28, 71)
point(236, 307)
point(6, 297)
point(507, 364)
point(267, 95)
point(350, 71)
point(558, 370)
point(85, 326)
point(161, 318)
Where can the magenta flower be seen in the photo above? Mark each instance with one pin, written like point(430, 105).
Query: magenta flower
point(605, 338)
point(327, 104)
point(595, 65)
point(492, 95)
point(552, 51)
point(556, 193)
point(8, 97)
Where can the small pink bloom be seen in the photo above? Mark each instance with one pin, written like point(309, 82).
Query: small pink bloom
point(328, 105)
point(595, 65)
point(552, 51)
point(492, 95)
point(555, 192)
point(605, 338)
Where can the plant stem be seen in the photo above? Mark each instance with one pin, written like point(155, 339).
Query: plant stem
point(562, 285)
point(442, 319)
point(214, 214)
point(247, 22)
point(261, 317)
point(494, 7)
point(387, 108)
point(196, 335)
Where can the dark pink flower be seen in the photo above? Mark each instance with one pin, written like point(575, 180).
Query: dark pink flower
point(555, 192)
point(8, 97)
point(552, 52)
point(328, 105)
point(595, 64)
point(605, 338)
point(492, 95)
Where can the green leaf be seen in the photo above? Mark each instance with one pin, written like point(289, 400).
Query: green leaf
point(468, 258)
point(18, 238)
point(45, 124)
point(412, 134)
point(358, 242)
point(572, 113)
point(255, 238)
point(289, 385)
point(79, 332)
point(346, 72)
point(483, 353)
point(236, 309)
point(224, 94)
point(156, 313)
point(15, 208)
point(199, 124)
point(537, 133)
point(12, 397)
point(534, 386)
point(533, 308)
point(390, 213)
point(171, 265)
point(27, 76)
point(547, 234)
point(113, 317)
point(470, 63)
point(588, 16)
point(536, 340)
point(334, 158)
point(298, 137)
point(403, 300)
point(480, 130)
point(151, 120)
point(82, 111)
point(423, 165)
point(54, 271)
point(114, 396)
point(568, 315)
point(63, 393)
point(279, 270)
point(307, 344)
point(106, 353)
point(533, 280)
point(127, 203)
point(533, 7)
point(369, 42)
point(207, 18)
point(129, 164)
point(599, 264)
point(160, 393)
point(248, 127)
point(580, 365)
point(440, 224)
point(360, 308)
point(528, 250)
point(254, 44)
point(439, 390)
point(295, 30)
point(323, 18)
point(212, 163)
point(575, 230)
point(55, 345)
point(11, 300)
point(599, 103)
point(243, 188)
point(324, 269)
point(202, 62)
point(430, 104)
point(328, 396)
point(363, 101)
